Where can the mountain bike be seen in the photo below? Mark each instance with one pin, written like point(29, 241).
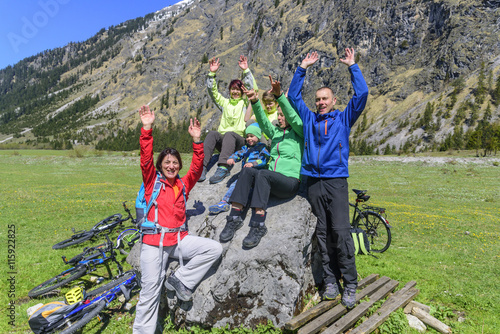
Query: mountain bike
point(95, 301)
point(107, 224)
point(83, 263)
point(373, 221)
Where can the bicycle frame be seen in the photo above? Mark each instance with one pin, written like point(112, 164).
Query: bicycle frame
point(107, 296)
point(362, 197)
point(135, 236)
point(91, 261)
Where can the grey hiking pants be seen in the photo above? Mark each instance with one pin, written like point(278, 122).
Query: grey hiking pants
point(226, 144)
point(201, 252)
point(329, 199)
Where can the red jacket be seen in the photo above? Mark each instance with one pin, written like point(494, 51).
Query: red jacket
point(171, 209)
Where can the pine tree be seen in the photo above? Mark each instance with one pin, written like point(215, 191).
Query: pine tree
point(496, 91)
point(481, 86)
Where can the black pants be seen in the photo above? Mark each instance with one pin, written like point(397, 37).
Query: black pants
point(329, 199)
point(264, 182)
point(226, 144)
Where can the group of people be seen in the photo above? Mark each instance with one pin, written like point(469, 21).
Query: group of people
point(286, 140)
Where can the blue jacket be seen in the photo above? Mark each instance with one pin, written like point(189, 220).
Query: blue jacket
point(326, 137)
point(258, 155)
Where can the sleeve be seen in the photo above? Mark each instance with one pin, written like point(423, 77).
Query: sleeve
point(295, 93)
point(249, 80)
point(238, 155)
point(196, 167)
point(357, 103)
point(213, 91)
point(147, 162)
point(291, 115)
point(265, 125)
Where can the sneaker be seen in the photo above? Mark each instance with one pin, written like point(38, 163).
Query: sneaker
point(222, 206)
point(219, 175)
point(233, 223)
point(254, 236)
point(203, 176)
point(331, 291)
point(349, 297)
point(174, 284)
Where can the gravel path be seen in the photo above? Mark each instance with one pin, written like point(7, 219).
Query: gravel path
point(428, 160)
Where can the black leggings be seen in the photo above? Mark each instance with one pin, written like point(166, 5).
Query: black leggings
point(264, 182)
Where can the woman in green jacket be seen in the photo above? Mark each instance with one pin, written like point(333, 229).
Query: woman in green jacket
point(281, 179)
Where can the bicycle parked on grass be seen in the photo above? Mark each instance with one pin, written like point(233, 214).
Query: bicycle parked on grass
point(94, 302)
point(83, 263)
point(373, 221)
point(107, 224)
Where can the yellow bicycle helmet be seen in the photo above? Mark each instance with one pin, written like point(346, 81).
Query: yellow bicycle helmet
point(75, 295)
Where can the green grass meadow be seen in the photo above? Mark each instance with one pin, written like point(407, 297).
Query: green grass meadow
point(445, 234)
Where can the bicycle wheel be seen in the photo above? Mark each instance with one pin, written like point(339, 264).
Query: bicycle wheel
point(57, 281)
point(74, 240)
point(108, 223)
point(128, 239)
point(379, 234)
point(111, 285)
point(88, 314)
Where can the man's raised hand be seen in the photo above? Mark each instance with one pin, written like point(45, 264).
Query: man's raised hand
point(309, 59)
point(349, 57)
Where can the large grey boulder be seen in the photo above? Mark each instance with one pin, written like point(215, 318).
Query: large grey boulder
point(248, 287)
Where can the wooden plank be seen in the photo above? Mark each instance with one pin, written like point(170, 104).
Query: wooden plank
point(413, 304)
point(431, 321)
point(391, 305)
point(367, 281)
point(327, 318)
point(397, 294)
point(355, 314)
point(324, 306)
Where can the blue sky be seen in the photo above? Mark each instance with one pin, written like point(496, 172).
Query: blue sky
point(28, 27)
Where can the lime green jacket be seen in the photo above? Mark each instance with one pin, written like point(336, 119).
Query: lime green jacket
point(287, 144)
point(233, 110)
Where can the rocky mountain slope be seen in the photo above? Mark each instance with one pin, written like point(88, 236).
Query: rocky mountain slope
point(425, 63)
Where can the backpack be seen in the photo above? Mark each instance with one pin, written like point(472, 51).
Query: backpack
point(361, 242)
point(142, 207)
point(47, 316)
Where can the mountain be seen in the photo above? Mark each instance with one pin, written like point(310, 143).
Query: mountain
point(433, 69)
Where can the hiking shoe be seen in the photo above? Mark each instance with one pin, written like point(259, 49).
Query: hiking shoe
point(331, 291)
point(203, 176)
point(233, 223)
point(174, 284)
point(254, 236)
point(222, 206)
point(219, 175)
point(349, 297)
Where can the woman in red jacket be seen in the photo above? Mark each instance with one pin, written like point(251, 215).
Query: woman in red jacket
point(170, 214)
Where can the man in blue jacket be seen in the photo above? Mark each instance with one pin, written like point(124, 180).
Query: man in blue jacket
point(325, 162)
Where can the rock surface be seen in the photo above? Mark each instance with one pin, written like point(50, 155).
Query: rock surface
point(416, 323)
point(248, 287)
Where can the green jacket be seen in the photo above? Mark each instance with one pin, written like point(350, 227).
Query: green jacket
point(233, 110)
point(287, 144)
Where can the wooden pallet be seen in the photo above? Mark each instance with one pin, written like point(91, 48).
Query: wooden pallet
point(329, 317)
